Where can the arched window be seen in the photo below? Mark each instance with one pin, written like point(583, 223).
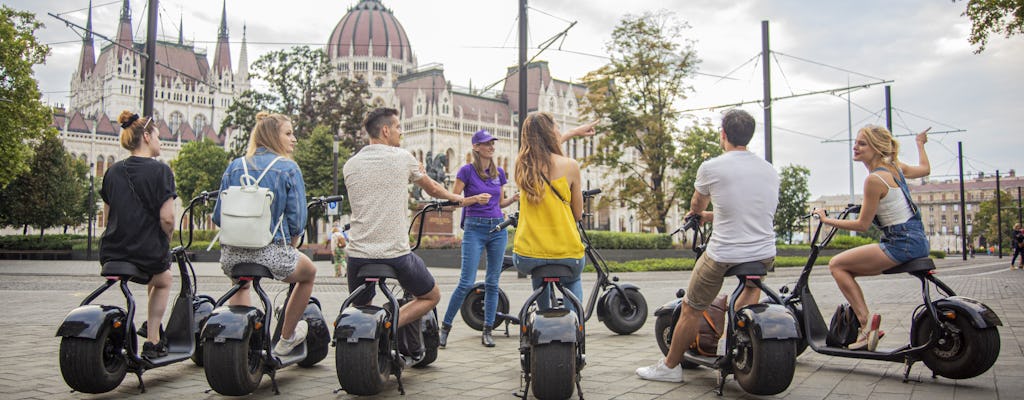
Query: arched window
point(450, 155)
point(198, 123)
point(175, 121)
point(100, 164)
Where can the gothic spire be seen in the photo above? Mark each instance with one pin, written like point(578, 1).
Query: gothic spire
point(124, 28)
point(87, 62)
point(222, 55)
point(243, 59)
point(181, 30)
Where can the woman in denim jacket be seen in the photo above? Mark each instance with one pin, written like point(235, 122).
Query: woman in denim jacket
point(273, 137)
point(887, 204)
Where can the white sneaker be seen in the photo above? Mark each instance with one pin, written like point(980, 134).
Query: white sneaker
point(285, 346)
point(660, 372)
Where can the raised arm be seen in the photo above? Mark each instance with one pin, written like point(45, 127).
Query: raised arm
point(580, 131)
point(923, 167)
point(435, 189)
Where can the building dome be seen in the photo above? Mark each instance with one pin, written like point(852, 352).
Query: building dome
point(369, 30)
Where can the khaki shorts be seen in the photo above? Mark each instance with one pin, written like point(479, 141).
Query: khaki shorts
point(707, 278)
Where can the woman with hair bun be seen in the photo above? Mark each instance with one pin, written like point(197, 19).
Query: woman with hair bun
point(887, 204)
point(273, 137)
point(138, 196)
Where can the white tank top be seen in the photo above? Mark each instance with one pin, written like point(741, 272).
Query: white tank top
point(893, 208)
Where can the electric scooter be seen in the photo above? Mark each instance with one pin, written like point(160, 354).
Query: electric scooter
point(955, 336)
point(98, 343)
point(620, 306)
point(760, 339)
point(238, 342)
point(369, 345)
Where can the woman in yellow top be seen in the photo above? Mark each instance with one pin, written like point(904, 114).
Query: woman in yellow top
point(550, 203)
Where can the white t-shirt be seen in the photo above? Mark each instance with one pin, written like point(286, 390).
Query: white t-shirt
point(377, 179)
point(744, 191)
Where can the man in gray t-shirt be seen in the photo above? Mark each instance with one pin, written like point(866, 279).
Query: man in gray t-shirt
point(744, 190)
point(377, 179)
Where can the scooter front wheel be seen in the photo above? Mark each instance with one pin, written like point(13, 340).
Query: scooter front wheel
point(93, 365)
point(764, 367)
point(625, 317)
point(554, 370)
point(962, 351)
point(472, 309)
point(362, 367)
point(234, 367)
point(663, 328)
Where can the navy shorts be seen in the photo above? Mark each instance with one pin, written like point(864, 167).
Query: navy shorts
point(904, 242)
point(413, 275)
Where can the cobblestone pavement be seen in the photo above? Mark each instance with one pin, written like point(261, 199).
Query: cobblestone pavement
point(36, 295)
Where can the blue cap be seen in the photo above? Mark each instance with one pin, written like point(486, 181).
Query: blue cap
point(482, 136)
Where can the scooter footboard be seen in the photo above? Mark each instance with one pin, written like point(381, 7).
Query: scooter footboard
point(980, 315)
point(230, 322)
point(85, 321)
point(769, 321)
point(357, 323)
point(554, 325)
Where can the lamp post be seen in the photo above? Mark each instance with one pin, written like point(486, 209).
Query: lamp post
point(92, 211)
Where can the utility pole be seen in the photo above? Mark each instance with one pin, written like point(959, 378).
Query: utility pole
point(522, 70)
point(888, 108)
point(963, 224)
point(766, 76)
point(999, 214)
point(149, 81)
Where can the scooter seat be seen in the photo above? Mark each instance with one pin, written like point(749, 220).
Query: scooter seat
point(251, 269)
point(747, 268)
point(916, 265)
point(552, 271)
point(377, 271)
point(124, 269)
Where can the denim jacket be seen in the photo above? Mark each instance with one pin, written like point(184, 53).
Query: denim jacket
point(284, 179)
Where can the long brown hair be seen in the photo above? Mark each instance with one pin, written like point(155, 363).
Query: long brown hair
point(267, 134)
point(539, 142)
point(131, 135)
point(484, 173)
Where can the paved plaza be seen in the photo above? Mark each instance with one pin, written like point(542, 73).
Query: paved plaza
point(36, 295)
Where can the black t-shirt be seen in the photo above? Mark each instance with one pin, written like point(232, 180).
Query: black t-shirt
point(1018, 239)
point(133, 231)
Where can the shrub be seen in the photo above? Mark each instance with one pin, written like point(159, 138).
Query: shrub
point(843, 242)
point(937, 254)
point(34, 242)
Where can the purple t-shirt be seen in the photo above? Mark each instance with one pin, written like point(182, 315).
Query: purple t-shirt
point(474, 186)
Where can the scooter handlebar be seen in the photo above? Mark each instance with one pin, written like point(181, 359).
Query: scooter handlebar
point(512, 219)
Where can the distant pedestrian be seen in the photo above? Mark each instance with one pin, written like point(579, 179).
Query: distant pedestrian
point(1017, 242)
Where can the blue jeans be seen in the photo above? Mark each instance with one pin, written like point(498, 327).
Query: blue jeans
point(475, 240)
point(574, 284)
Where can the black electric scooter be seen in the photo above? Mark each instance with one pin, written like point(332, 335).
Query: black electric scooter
point(238, 342)
point(98, 342)
point(369, 345)
point(955, 336)
point(760, 339)
point(621, 306)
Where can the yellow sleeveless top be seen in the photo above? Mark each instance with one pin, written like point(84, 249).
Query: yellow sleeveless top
point(547, 229)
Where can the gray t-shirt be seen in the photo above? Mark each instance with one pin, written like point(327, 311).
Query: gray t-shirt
point(744, 190)
point(377, 179)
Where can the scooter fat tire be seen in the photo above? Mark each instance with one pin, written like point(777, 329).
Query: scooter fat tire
point(765, 367)
point(554, 370)
point(362, 367)
point(964, 352)
point(94, 365)
point(472, 309)
point(663, 328)
point(623, 319)
point(234, 367)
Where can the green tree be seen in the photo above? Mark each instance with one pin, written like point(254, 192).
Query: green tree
point(24, 116)
point(199, 167)
point(315, 156)
point(241, 118)
point(636, 93)
point(985, 222)
point(793, 197)
point(43, 196)
point(699, 143)
point(1005, 17)
point(77, 210)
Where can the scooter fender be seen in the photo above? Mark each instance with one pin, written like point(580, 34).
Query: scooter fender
point(357, 323)
point(673, 308)
point(85, 321)
point(608, 296)
point(770, 321)
point(981, 316)
point(230, 322)
point(555, 325)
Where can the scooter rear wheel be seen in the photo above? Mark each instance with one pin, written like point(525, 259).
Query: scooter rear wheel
point(663, 328)
point(764, 367)
point(472, 309)
point(362, 367)
point(963, 351)
point(234, 367)
point(554, 370)
point(93, 365)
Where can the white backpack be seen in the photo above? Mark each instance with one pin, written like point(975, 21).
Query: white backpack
point(245, 212)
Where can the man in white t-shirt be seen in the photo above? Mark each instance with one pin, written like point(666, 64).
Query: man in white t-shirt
point(744, 190)
point(377, 179)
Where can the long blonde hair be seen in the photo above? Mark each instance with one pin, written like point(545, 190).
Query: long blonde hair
point(267, 134)
point(539, 142)
point(881, 140)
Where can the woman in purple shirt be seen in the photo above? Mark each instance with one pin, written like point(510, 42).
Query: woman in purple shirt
point(480, 183)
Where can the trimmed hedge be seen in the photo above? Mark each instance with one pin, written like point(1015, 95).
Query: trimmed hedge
point(618, 240)
point(937, 254)
point(34, 242)
point(686, 264)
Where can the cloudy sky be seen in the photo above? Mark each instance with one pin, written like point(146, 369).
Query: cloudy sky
point(920, 45)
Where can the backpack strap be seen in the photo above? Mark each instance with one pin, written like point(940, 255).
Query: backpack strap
point(246, 179)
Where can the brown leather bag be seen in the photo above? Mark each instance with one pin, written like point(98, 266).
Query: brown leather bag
point(711, 327)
